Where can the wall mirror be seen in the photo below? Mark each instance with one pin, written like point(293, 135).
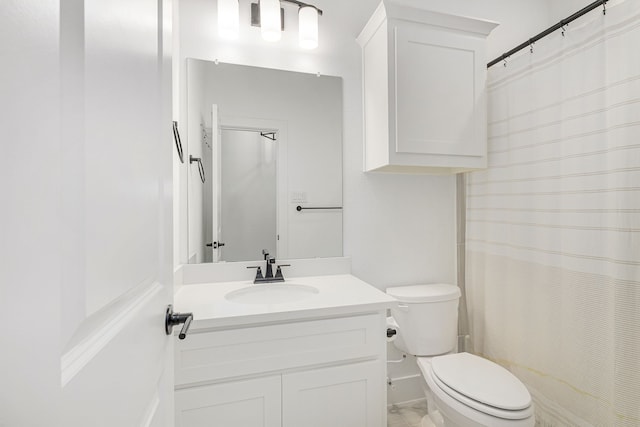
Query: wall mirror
point(270, 144)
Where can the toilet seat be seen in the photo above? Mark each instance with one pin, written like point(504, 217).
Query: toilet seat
point(461, 380)
point(481, 407)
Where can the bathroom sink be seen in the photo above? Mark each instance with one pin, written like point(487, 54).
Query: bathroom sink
point(272, 293)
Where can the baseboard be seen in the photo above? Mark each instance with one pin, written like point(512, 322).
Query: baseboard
point(407, 403)
point(405, 389)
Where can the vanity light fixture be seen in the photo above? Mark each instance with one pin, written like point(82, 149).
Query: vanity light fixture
point(228, 19)
point(269, 16)
point(270, 20)
point(308, 23)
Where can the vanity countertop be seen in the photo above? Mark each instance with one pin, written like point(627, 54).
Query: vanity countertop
point(337, 295)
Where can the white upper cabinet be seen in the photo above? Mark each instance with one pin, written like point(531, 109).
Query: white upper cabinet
point(424, 91)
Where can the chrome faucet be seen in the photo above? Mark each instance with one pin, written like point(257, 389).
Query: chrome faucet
point(269, 277)
point(269, 272)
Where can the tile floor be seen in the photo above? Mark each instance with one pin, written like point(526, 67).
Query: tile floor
point(407, 414)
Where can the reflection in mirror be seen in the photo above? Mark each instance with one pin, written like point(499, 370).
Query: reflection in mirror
point(271, 141)
point(247, 194)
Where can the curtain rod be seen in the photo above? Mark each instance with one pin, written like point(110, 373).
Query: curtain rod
point(550, 30)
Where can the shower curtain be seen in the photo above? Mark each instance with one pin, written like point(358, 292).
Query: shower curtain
point(553, 224)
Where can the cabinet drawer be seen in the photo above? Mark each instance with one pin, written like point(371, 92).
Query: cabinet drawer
point(211, 356)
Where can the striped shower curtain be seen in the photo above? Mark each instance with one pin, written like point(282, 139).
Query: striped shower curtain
point(553, 225)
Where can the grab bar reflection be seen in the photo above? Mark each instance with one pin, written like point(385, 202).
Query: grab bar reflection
point(300, 208)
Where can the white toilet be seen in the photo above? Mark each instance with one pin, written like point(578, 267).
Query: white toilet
point(462, 390)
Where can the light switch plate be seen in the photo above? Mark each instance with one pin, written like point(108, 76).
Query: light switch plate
point(298, 197)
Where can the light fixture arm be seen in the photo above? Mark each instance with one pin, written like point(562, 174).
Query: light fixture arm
point(301, 4)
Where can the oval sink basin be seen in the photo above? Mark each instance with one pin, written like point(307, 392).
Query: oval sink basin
point(274, 293)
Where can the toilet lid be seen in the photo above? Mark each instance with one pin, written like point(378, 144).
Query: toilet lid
point(481, 380)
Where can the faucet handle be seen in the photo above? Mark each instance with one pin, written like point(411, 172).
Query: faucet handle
point(258, 273)
point(279, 275)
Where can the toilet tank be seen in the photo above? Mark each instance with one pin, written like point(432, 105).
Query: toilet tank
point(427, 317)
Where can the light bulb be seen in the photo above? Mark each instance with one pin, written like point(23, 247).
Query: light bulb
point(228, 19)
point(308, 27)
point(270, 23)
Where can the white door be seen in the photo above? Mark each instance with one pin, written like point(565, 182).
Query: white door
point(86, 213)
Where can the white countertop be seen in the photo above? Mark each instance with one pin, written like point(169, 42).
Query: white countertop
point(338, 295)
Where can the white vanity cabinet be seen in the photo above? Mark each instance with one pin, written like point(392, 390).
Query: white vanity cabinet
point(308, 372)
point(424, 78)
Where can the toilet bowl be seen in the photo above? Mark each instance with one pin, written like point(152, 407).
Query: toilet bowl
point(463, 390)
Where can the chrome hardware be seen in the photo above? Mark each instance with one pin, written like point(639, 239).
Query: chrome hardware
point(269, 277)
point(200, 167)
point(279, 277)
point(172, 319)
point(259, 277)
point(301, 208)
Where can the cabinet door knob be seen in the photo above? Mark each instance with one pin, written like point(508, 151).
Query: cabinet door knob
point(172, 319)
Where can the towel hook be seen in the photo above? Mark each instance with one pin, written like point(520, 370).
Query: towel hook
point(176, 138)
point(200, 167)
point(269, 135)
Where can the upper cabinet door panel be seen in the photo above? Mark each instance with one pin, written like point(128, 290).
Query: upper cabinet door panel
point(436, 92)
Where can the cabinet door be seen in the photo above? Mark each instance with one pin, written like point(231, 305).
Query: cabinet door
point(439, 92)
point(340, 396)
point(250, 403)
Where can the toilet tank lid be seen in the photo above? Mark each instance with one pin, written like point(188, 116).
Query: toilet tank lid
point(435, 292)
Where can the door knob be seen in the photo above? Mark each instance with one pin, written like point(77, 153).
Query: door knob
point(172, 319)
